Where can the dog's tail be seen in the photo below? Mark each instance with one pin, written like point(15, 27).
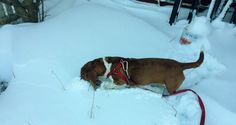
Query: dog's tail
point(193, 64)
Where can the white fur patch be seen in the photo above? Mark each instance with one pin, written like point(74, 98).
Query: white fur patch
point(107, 65)
point(108, 83)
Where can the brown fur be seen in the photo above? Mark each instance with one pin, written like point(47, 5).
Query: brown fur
point(142, 71)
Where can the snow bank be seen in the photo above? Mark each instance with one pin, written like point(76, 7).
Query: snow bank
point(47, 62)
point(200, 26)
point(47, 58)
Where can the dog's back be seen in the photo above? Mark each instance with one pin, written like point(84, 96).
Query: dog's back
point(163, 71)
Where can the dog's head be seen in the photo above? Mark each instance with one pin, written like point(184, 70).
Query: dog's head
point(92, 70)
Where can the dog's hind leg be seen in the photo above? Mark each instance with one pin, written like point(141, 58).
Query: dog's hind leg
point(171, 85)
point(170, 89)
point(174, 83)
point(180, 80)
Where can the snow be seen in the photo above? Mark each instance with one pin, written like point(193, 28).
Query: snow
point(200, 27)
point(46, 58)
point(6, 56)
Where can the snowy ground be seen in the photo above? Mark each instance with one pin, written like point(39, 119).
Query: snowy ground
point(44, 62)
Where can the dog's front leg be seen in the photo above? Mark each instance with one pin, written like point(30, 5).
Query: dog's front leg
point(93, 83)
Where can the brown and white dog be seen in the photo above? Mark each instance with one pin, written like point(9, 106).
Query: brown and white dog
point(144, 71)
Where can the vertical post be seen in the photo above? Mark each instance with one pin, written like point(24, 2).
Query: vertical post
point(213, 14)
point(42, 11)
point(194, 6)
point(210, 9)
point(233, 18)
point(225, 8)
point(175, 11)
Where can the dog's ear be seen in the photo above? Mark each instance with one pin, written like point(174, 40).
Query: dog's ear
point(99, 67)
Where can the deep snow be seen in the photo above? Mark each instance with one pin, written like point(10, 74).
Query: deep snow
point(46, 58)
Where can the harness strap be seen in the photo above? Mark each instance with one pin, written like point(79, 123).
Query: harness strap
point(116, 71)
point(125, 67)
point(202, 121)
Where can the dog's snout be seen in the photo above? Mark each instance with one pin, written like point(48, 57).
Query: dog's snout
point(84, 76)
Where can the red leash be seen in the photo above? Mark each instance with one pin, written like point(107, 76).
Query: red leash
point(123, 65)
point(202, 121)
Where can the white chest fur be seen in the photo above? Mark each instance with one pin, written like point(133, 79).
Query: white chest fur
point(107, 65)
point(108, 83)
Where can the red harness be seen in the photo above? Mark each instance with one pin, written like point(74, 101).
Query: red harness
point(124, 65)
point(116, 71)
